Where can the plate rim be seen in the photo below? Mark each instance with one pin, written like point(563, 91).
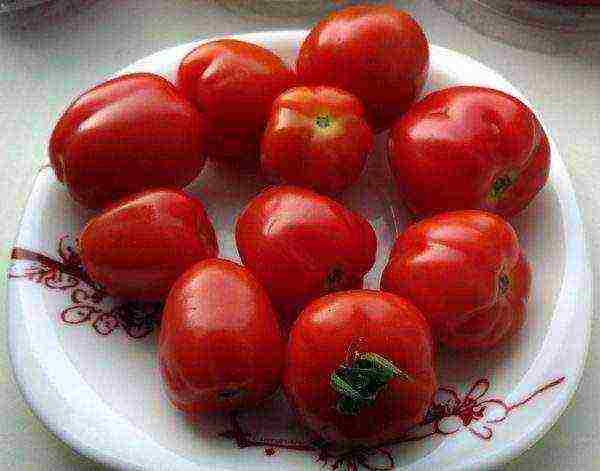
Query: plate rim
point(575, 233)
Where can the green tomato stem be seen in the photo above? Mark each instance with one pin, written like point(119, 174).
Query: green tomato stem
point(500, 185)
point(359, 383)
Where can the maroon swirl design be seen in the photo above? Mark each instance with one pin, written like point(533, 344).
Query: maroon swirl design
point(448, 414)
point(90, 303)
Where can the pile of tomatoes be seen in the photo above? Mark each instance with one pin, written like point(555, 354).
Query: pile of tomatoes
point(356, 365)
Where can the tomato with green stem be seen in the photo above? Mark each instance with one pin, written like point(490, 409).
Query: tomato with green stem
point(359, 367)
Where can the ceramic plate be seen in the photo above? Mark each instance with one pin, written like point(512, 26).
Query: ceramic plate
point(86, 363)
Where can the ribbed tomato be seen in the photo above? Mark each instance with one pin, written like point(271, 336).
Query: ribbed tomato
point(234, 83)
point(469, 148)
point(138, 246)
point(468, 275)
point(126, 135)
point(302, 245)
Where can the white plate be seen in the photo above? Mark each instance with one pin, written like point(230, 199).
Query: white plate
point(102, 394)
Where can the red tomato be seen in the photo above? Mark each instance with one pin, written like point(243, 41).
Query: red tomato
point(469, 148)
point(316, 137)
point(302, 245)
point(220, 347)
point(359, 367)
point(467, 274)
point(234, 83)
point(126, 135)
point(378, 53)
point(138, 247)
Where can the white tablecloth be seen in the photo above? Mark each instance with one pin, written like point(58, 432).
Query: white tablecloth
point(46, 62)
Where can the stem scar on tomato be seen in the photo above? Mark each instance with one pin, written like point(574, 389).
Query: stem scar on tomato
point(323, 121)
point(334, 279)
point(230, 393)
point(501, 185)
point(359, 383)
point(504, 283)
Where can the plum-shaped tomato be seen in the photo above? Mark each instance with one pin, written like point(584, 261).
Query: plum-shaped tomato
point(469, 148)
point(359, 367)
point(466, 272)
point(126, 135)
point(317, 137)
point(234, 83)
point(302, 245)
point(220, 346)
point(378, 53)
point(140, 245)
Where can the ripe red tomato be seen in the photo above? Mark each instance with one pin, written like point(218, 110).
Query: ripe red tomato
point(126, 135)
point(378, 53)
point(302, 245)
point(138, 247)
point(469, 148)
point(220, 347)
point(234, 83)
point(467, 274)
point(317, 137)
point(359, 367)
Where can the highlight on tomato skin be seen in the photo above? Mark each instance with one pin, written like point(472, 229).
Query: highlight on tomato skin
point(301, 245)
point(376, 52)
point(469, 147)
point(359, 367)
point(468, 275)
point(220, 347)
point(316, 137)
point(137, 247)
point(234, 83)
point(126, 135)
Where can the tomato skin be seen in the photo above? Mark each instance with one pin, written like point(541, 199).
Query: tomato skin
point(371, 321)
point(302, 245)
point(234, 83)
point(219, 334)
point(378, 53)
point(127, 135)
point(467, 273)
point(316, 137)
point(138, 246)
point(451, 148)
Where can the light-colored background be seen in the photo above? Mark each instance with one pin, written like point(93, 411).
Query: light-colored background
point(46, 62)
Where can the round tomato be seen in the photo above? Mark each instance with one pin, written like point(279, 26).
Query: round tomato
point(359, 367)
point(126, 135)
point(378, 53)
point(466, 272)
point(469, 148)
point(220, 347)
point(138, 247)
point(302, 245)
point(317, 137)
point(234, 83)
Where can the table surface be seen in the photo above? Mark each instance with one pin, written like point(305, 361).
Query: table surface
point(48, 61)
